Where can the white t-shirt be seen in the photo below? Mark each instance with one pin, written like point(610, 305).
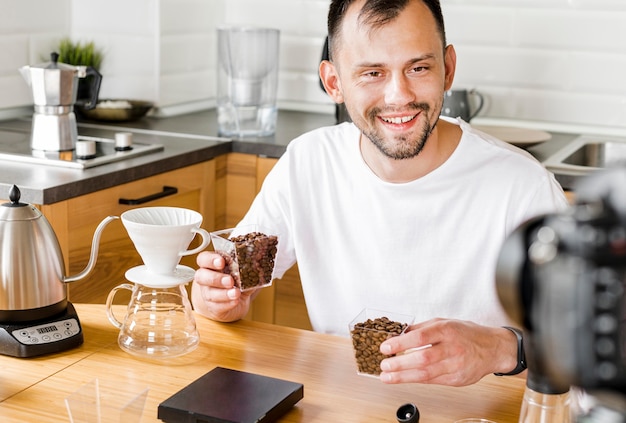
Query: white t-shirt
point(427, 248)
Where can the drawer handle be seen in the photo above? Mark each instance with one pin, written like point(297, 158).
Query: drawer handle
point(167, 191)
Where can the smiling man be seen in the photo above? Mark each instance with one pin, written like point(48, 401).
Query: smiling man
point(391, 78)
point(401, 210)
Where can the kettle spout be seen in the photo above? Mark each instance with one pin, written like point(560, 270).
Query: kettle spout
point(25, 71)
point(95, 244)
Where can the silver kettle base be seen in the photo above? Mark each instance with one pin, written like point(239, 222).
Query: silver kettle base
point(46, 336)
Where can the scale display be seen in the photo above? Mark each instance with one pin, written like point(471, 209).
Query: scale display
point(49, 332)
point(29, 339)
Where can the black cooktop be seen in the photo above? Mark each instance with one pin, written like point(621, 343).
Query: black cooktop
point(15, 146)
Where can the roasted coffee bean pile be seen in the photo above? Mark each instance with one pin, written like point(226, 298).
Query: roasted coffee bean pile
point(254, 254)
point(366, 339)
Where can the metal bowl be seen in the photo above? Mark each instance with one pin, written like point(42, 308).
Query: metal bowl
point(116, 110)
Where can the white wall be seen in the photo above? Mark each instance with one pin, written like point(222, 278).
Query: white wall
point(550, 62)
point(27, 37)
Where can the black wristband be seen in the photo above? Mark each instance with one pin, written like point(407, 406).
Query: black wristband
point(521, 355)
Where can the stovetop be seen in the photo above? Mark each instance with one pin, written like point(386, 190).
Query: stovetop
point(15, 146)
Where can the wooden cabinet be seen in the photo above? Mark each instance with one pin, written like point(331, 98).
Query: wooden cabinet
point(221, 189)
point(75, 221)
point(241, 177)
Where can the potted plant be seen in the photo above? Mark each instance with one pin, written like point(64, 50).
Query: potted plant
point(77, 54)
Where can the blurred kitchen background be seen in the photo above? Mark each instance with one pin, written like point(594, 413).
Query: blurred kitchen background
point(550, 64)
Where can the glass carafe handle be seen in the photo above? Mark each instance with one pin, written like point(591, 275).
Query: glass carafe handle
point(109, 303)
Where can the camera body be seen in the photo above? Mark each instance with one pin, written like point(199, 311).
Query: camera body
point(562, 277)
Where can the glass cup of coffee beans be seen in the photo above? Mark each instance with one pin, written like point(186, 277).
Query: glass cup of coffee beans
point(249, 252)
point(368, 330)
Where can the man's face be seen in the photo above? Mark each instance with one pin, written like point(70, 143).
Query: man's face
point(392, 78)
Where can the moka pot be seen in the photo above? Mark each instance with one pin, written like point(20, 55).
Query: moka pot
point(54, 87)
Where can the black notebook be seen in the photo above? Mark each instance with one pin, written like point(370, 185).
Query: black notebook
point(231, 396)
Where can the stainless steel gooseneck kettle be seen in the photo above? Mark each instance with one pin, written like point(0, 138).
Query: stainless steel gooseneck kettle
point(32, 270)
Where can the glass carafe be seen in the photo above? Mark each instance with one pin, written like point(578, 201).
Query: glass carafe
point(544, 401)
point(159, 322)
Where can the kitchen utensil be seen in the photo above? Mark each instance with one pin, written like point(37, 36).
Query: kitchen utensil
point(247, 80)
point(33, 293)
point(368, 330)
point(249, 252)
point(103, 401)
point(457, 103)
point(54, 87)
point(237, 396)
point(116, 110)
point(161, 235)
point(539, 406)
point(159, 322)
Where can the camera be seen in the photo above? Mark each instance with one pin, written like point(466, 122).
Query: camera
point(562, 278)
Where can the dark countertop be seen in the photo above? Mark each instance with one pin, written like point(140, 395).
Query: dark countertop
point(289, 125)
point(187, 139)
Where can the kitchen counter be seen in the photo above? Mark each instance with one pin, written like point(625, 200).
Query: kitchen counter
point(289, 125)
point(187, 139)
point(34, 389)
point(292, 124)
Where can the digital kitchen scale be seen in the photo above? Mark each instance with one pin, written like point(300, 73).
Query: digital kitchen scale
point(46, 336)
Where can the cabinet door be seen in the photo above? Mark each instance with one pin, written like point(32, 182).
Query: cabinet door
point(75, 220)
point(283, 302)
point(289, 306)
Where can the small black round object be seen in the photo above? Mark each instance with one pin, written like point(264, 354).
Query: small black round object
point(15, 194)
point(88, 157)
point(14, 197)
point(408, 413)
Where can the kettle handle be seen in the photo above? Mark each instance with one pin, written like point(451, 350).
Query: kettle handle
point(94, 88)
point(95, 244)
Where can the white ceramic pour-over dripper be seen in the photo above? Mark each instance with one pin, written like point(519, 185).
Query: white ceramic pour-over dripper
point(162, 235)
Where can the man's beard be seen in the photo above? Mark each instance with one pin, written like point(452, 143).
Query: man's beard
point(401, 147)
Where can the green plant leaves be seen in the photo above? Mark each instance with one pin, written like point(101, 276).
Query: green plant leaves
point(78, 54)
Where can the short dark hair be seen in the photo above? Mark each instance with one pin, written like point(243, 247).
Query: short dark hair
point(376, 13)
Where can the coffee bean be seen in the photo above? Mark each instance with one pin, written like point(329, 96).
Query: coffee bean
point(366, 339)
point(251, 263)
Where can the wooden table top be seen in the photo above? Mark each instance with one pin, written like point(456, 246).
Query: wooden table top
point(34, 389)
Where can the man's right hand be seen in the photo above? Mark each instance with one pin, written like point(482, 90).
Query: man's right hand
point(214, 293)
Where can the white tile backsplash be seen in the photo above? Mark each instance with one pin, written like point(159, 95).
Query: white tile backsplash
point(199, 16)
point(299, 17)
point(121, 17)
point(17, 16)
point(560, 61)
point(185, 53)
point(14, 50)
